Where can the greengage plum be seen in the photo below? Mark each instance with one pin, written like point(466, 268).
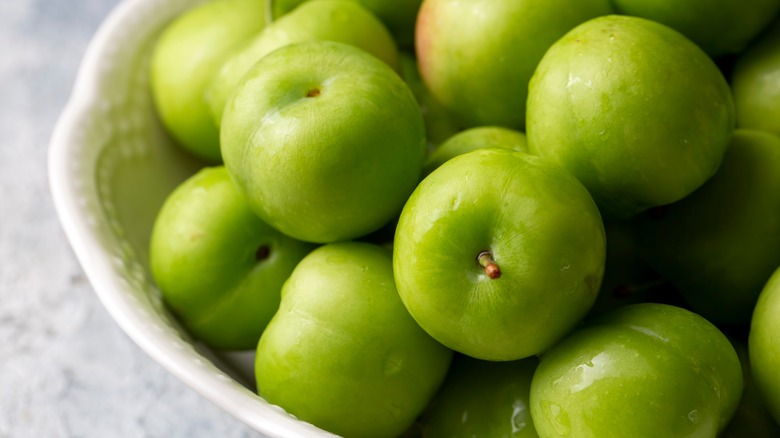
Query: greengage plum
point(342, 21)
point(498, 254)
point(636, 111)
point(756, 84)
point(326, 141)
point(719, 27)
point(218, 266)
point(187, 55)
point(751, 419)
point(482, 399)
point(342, 352)
point(720, 244)
point(473, 139)
point(477, 56)
point(644, 370)
point(764, 344)
point(398, 15)
point(628, 279)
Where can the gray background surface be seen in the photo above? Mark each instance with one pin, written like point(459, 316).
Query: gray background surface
point(66, 369)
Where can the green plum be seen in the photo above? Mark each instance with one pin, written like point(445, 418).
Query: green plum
point(637, 112)
point(218, 266)
point(764, 344)
point(342, 352)
point(720, 244)
point(751, 419)
point(326, 141)
point(439, 124)
point(644, 370)
point(628, 279)
point(477, 56)
point(332, 20)
point(756, 84)
point(398, 15)
point(719, 27)
point(186, 56)
point(482, 399)
point(498, 254)
point(473, 139)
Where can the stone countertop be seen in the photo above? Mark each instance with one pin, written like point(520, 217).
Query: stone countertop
point(66, 369)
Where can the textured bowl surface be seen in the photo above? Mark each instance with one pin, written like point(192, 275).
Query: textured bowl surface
point(111, 165)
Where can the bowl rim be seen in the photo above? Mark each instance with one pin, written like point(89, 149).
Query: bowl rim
point(95, 259)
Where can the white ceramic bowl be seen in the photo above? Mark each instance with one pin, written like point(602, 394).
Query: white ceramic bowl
point(111, 165)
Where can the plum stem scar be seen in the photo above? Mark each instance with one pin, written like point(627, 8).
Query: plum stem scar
point(485, 259)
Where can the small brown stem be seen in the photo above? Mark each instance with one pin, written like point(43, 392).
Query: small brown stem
point(626, 290)
point(657, 213)
point(262, 253)
point(485, 259)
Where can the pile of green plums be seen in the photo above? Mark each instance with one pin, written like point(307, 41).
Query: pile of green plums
point(484, 218)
